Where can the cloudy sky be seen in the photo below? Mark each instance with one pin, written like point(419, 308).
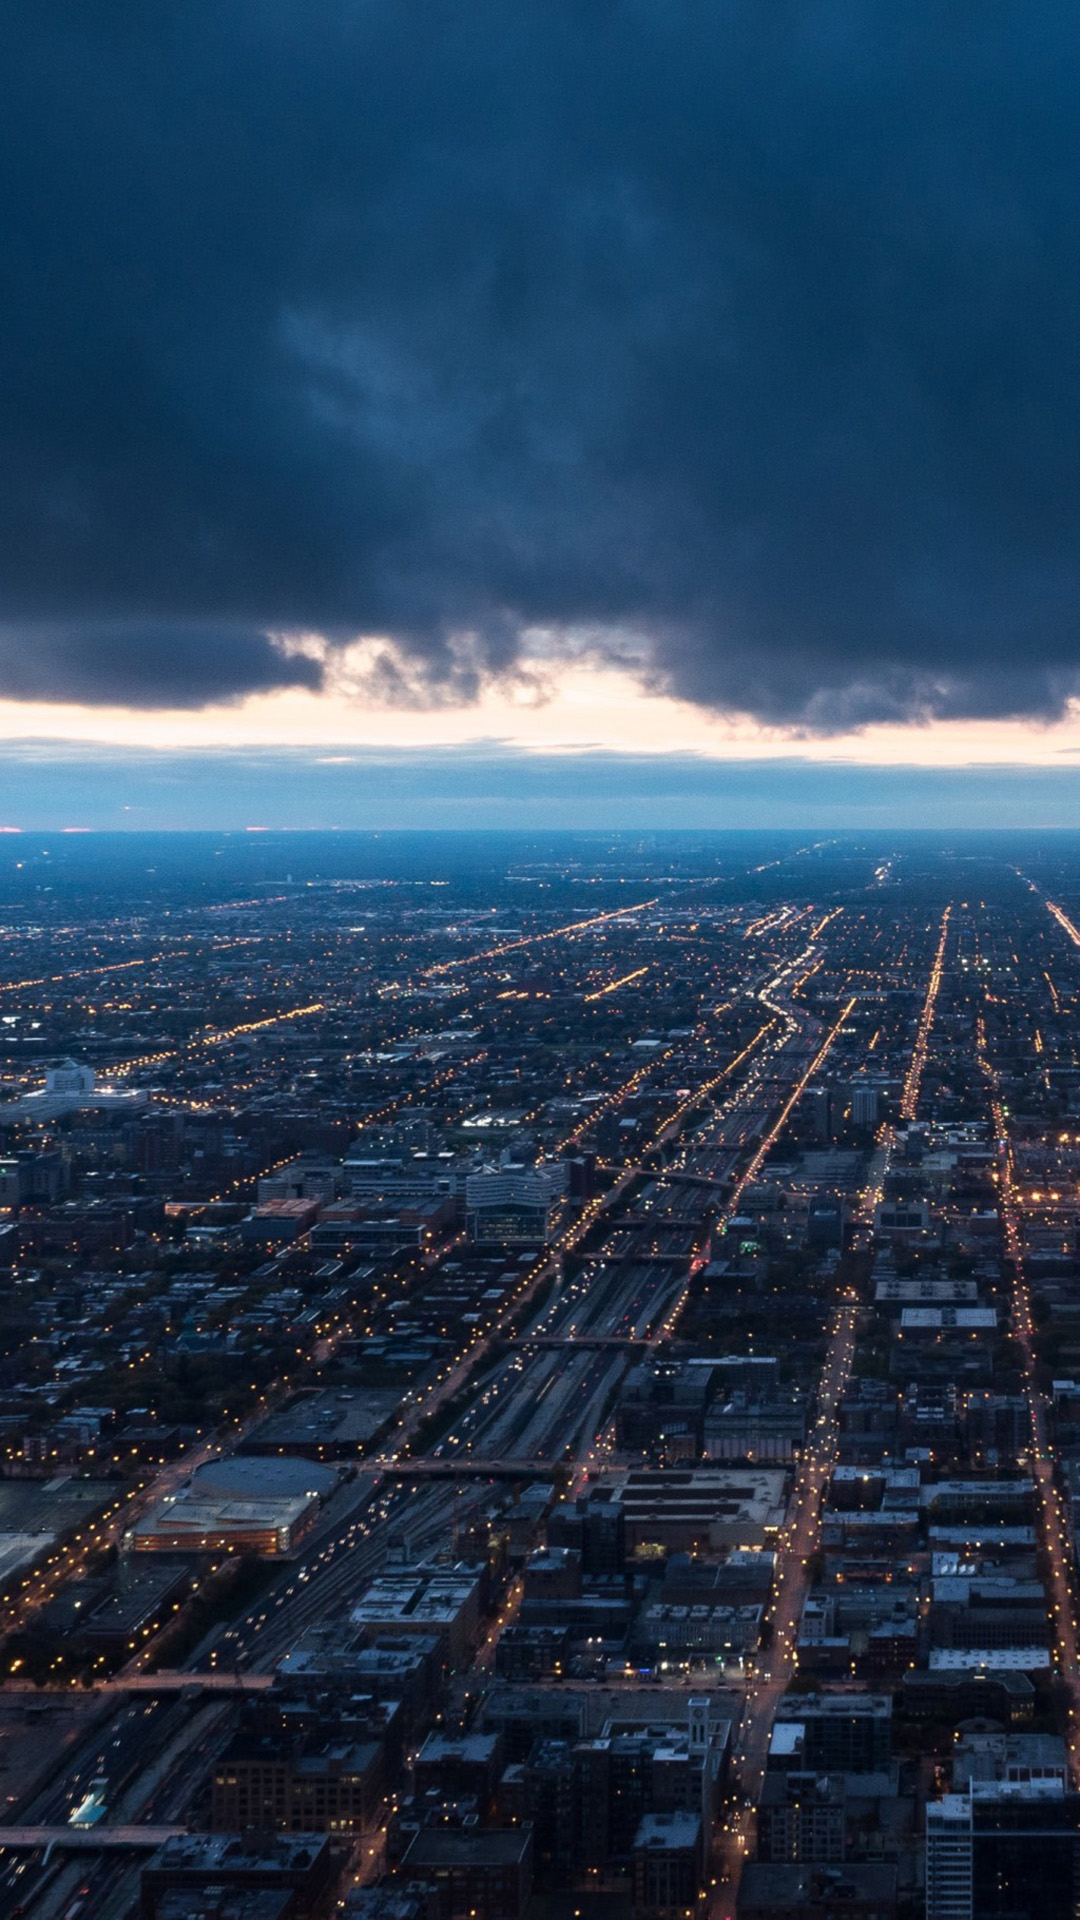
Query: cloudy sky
point(696, 379)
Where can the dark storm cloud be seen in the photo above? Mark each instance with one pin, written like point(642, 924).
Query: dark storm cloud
point(749, 330)
point(145, 663)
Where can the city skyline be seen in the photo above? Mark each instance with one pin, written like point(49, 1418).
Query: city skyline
point(540, 1375)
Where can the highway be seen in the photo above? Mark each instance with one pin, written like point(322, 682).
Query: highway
point(535, 1404)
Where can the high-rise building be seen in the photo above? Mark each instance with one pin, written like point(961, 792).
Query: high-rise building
point(949, 1858)
point(1005, 1850)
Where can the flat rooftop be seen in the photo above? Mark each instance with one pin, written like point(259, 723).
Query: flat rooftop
point(447, 1847)
point(326, 1419)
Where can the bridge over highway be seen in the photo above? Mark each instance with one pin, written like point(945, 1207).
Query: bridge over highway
point(596, 1340)
point(85, 1839)
point(469, 1467)
point(636, 1256)
point(169, 1680)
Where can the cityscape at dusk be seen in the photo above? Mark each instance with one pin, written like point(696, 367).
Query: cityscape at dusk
point(540, 960)
point(541, 1375)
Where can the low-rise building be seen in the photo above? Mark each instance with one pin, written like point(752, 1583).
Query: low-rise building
point(473, 1875)
point(850, 1892)
point(267, 1785)
point(696, 1508)
point(833, 1733)
point(667, 1865)
point(236, 1505)
point(424, 1600)
point(193, 1863)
